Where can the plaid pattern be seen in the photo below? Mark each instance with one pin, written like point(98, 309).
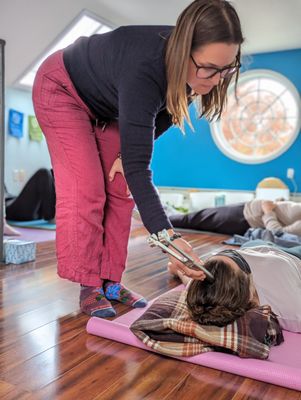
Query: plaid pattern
point(167, 328)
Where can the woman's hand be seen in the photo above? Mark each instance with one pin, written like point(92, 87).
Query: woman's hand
point(267, 206)
point(177, 273)
point(117, 168)
point(176, 265)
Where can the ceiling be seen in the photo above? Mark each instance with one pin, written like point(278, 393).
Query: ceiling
point(30, 26)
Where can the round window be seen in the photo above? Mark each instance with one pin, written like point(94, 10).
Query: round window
point(262, 121)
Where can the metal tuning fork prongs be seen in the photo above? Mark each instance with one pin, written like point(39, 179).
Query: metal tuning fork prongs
point(162, 240)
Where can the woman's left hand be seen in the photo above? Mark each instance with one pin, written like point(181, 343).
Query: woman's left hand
point(117, 168)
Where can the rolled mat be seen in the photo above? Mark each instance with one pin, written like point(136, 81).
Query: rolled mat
point(283, 367)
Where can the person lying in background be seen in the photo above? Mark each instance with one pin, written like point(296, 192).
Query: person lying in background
point(278, 216)
point(246, 278)
point(36, 200)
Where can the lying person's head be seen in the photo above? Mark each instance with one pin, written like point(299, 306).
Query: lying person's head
point(228, 297)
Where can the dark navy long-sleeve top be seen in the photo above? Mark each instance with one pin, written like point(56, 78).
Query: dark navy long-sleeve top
point(121, 76)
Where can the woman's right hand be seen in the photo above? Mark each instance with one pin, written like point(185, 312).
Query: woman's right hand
point(115, 169)
point(178, 265)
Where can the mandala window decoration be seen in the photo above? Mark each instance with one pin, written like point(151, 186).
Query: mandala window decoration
point(263, 120)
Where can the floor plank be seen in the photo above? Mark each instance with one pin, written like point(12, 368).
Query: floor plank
point(97, 373)
point(11, 392)
point(152, 381)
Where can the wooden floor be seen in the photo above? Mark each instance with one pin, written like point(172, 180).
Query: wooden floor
point(47, 354)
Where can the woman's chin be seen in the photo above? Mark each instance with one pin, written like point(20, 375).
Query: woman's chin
point(203, 90)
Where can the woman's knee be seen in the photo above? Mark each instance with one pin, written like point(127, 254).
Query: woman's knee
point(44, 174)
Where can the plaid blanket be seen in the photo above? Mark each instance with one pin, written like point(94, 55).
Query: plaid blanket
point(167, 328)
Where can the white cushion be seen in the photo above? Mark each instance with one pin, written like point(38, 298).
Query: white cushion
point(272, 194)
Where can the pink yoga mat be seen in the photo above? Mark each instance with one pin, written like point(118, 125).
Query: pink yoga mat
point(283, 367)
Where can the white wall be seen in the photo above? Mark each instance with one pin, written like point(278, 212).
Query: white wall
point(30, 26)
point(22, 154)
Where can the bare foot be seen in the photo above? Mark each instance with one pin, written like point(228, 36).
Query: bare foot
point(10, 231)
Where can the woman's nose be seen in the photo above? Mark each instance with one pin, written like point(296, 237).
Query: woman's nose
point(216, 78)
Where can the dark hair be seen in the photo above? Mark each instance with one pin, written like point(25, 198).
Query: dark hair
point(201, 23)
point(222, 301)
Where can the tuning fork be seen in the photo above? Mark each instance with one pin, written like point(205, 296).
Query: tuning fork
point(163, 240)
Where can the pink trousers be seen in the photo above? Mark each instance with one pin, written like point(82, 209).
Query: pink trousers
point(93, 215)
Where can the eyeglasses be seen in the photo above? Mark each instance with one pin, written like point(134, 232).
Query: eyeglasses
point(210, 72)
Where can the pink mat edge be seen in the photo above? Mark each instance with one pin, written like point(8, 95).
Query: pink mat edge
point(262, 370)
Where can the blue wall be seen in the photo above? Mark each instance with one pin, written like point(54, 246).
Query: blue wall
point(194, 160)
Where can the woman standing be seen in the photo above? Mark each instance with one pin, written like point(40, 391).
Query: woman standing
point(101, 103)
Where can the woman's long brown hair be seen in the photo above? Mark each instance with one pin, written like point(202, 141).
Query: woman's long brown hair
point(201, 23)
point(223, 301)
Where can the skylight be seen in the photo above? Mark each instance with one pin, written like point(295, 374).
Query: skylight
point(86, 24)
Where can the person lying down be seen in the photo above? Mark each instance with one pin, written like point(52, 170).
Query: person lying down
point(246, 278)
point(236, 313)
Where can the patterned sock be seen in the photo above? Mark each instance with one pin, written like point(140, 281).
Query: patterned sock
point(116, 291)
point(93, 302)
